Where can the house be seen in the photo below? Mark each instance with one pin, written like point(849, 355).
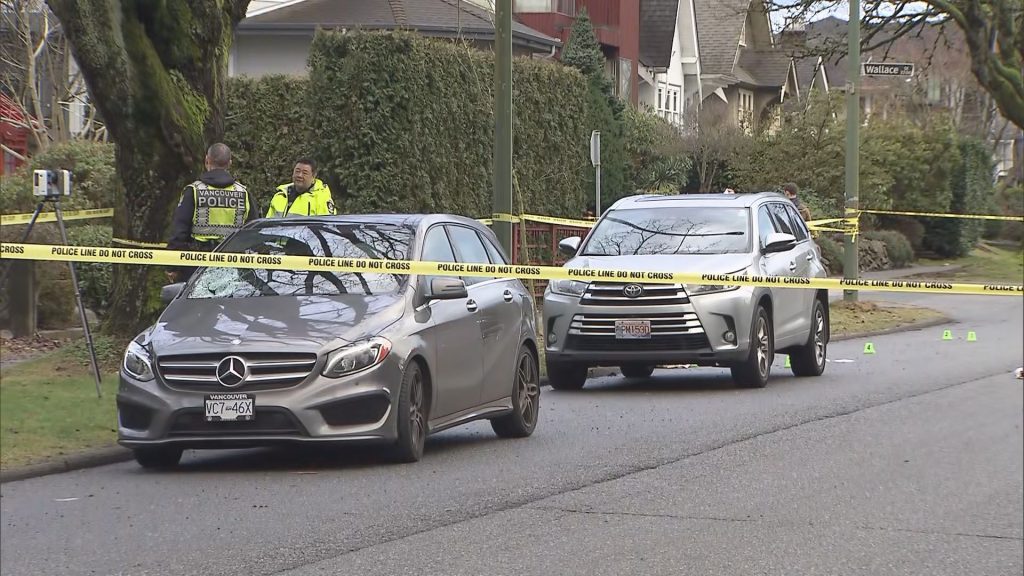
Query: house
point(810, 69)
point(275, 37)
point(942, 80)
point(744, 77)
point(616, 25)
point(669, 72)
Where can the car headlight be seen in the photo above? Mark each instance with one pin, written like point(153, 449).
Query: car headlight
point(568, 287)
point(355, 357)
point(137, 362)
point(698, 289)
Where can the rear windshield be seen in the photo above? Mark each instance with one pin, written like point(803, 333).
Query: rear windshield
point(340, 240)
point(671, 231)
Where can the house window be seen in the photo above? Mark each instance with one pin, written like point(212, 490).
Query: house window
point(745, 110)
point(743, 34)
point(669, 102)
point(934, 91)
point(625, 77)
point(1004, 157)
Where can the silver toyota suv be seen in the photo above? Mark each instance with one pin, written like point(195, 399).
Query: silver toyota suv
point(638, 326)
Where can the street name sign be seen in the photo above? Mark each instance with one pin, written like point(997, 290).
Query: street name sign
point(887, 69)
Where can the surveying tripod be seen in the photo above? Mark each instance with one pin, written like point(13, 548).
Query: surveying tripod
point(55, 200)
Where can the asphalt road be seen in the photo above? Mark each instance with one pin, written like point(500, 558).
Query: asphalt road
point(908, 461)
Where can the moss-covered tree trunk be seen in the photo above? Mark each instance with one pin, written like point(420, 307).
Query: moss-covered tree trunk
point(156, 71)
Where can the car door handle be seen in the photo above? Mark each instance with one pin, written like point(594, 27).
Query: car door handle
point(507, 295)
point(810, 257)
point(792, 266)
point(471, 305)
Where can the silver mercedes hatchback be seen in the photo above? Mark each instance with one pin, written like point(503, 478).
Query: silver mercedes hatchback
point(245, 357)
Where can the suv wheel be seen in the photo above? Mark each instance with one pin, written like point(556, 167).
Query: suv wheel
point(638, 371)
point(566, 376)
point(525, 400)
point(754, 371)
point(809, 359)
point(412, 416)
point(162, 457)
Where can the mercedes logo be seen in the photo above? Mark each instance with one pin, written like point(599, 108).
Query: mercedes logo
point(633, 291)
point(232, 371)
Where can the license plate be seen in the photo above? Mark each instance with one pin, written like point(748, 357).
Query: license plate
point(230, 407)
point(632, 329)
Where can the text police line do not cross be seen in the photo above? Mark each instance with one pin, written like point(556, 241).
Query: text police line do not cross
point(96, 254)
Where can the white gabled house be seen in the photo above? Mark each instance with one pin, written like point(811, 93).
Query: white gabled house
point(670, 70)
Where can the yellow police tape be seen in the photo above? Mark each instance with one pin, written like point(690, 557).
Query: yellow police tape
point(9, 219)
point(333, 264)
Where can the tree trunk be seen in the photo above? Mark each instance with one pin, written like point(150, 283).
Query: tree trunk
point(156, 72)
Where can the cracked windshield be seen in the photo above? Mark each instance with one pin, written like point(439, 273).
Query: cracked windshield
point(373, 241)
point(671, 231)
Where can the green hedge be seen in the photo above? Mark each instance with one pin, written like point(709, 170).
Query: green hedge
point(405, 123)
point(268, 127)
point(898, 248)
point(971, 184)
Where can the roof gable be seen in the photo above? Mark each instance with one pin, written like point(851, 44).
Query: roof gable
point(658, 19)
point(719, 23)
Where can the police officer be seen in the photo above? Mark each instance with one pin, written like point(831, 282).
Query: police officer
point(307, 195)
point(210, 209)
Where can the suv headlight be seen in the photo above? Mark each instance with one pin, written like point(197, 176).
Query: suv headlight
point(568, 287)
point(357, 356)
point(137, 362)
point(698, 289)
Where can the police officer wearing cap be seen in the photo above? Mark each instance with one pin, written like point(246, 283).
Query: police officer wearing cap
point(210, 209)
point(306, 195)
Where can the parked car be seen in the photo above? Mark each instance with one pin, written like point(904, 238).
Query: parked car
point(250, 357)
point(638, 326)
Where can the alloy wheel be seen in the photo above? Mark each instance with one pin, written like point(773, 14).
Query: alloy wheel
point(528, 388)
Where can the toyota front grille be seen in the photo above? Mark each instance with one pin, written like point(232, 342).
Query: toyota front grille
point(633, 294)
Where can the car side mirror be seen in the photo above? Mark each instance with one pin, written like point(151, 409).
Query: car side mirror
point(447, 288)
point(779, 242)
point(570, 245)
point(170, 292)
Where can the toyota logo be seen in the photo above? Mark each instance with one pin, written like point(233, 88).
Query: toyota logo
point(232, 371)
point(633, 291)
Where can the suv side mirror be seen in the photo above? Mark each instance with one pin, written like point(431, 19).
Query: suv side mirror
point(447, 288)
point(570, 245)
point(170, 292)
point(779, 242)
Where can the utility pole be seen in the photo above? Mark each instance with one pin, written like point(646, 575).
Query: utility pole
point(851, 263)
point(503, 121)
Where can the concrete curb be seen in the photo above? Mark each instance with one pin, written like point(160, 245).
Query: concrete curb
point(116, 454)
point(77, 461)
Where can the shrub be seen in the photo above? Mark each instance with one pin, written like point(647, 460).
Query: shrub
point(93, 186)
point(93, 278)
point(832, 254)
point(971, 194)
point(910, 227)
point(657, 160)
point(405, 124)
point(898, 248)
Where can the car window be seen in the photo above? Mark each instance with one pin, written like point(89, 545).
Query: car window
point(469, 250)
point(329, 240)
point(436, 248)
point(781, 218)
point(796, 223)
point(765, 224)
point(493, 252)
point(682, 230)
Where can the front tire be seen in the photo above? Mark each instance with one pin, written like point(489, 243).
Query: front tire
point(566, 376)
point(525, 399)
point(412, 416)
point(809, 359)
point(160, 458)
point(755, 370)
